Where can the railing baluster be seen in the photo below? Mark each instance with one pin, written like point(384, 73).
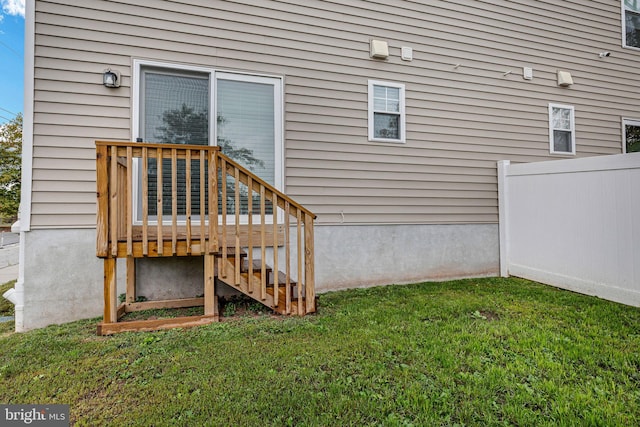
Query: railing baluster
point(129, 201)
point(122, 197)
point(236, 178)
point(223, 186)
point(274, 270)
point(213, 201)
point(159, 189)
point(174, 201)
point(287, 256)
point(113, 210)
point(250, 232)
point(203, 178)
point(145, 201)
point(263, 245)
point(187, 175)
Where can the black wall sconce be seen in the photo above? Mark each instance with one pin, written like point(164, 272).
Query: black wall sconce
point(111, 78)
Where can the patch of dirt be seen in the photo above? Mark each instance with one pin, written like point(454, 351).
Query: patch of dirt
point(237, 306)
point(490, 315)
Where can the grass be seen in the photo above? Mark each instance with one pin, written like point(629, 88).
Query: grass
point(6, 307)
point(480, 352)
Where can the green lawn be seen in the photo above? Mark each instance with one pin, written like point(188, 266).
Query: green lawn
point(479, 352)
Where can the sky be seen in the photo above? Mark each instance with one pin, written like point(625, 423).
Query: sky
point(11, 59)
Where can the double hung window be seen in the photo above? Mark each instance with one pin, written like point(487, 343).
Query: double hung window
point(562, 138)
point(386, 112)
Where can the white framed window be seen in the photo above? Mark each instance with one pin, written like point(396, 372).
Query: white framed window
point(631, 23)
point(630, 135)
point(386, 112)
point(562, 132)
point(240, 112)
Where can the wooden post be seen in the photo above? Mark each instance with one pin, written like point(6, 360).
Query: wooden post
point(187, 175)
point(129, 202)
point(160, 230)
point(263, 246)
point(287, 256)
point(210, 299)
point(238, 261)
point(250, 233)
point(213, 201)
point(110, 291)
point(310, 293)
point(274, 271)
point(223, 186)
point(102, 224)
point(174, 201)
point(131, 280)
point(300, 261)
point(113, 201)
point(203, 178)
point(145, 201)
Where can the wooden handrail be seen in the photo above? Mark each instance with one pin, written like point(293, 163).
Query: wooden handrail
point(304, 223)
point(269, 189)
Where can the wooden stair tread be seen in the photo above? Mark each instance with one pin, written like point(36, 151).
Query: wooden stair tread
point(257, 266)
point(281, 308)
point(282, 295)
point(257, 270)
point(282, 280)
point(251, 287)
point(231, 252)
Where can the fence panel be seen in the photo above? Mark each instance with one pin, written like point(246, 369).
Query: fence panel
point(574, 224)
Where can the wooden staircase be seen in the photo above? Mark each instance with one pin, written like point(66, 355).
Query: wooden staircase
point(238, 215)
point(283, 295)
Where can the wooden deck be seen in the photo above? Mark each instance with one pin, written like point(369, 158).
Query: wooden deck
point(201, 209)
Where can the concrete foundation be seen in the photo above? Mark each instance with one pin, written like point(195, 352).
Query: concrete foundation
point(63, 279)
point(371, 255)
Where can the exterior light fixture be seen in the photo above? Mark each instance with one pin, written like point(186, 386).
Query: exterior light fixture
point(111, 78)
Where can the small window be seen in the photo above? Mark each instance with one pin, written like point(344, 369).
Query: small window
point(562, 135)
point(386, 112)
point(631, 23)
point(631, 136)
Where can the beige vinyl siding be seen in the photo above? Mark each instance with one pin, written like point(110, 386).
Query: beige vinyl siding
point(459, 121)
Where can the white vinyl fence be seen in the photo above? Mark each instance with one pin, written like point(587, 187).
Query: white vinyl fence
point(574, 224)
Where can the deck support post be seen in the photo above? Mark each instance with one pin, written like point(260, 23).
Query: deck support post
point(131, 280)
point(210, 299)
point(110, 290)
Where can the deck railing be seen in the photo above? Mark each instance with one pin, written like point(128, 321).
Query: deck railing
point(158, 200)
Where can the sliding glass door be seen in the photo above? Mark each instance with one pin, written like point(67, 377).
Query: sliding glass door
point(178, 106)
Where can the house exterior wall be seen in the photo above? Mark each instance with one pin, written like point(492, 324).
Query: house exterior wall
point(460, 120)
